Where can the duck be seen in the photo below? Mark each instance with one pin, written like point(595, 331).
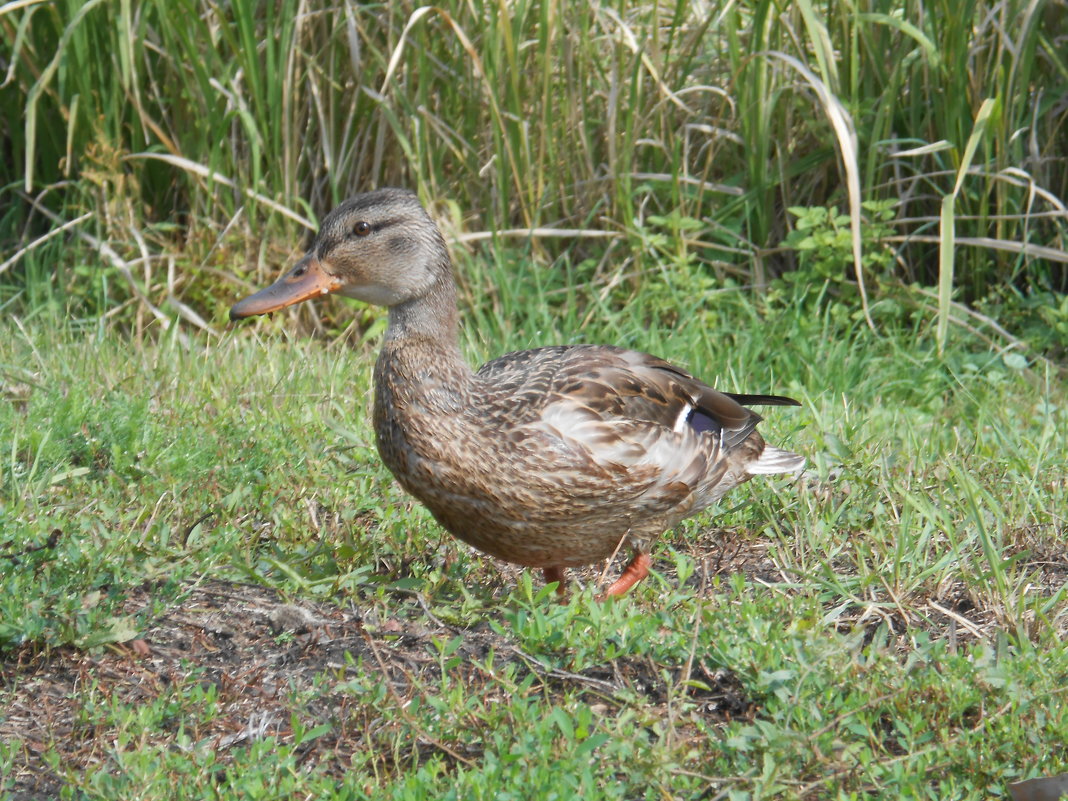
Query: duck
point(552, 458)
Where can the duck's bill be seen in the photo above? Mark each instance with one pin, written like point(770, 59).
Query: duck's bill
point(306, 280)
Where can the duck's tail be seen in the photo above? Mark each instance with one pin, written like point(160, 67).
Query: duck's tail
point(775, 460)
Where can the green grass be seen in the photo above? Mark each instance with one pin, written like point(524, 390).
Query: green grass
point(899, 634)
point(204, 133)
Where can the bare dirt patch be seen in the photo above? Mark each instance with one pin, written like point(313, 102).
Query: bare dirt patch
point(269, 660)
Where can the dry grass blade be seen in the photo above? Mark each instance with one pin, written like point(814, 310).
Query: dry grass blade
point(1010, 246)
point(42, 239)
point(1014, 342)
point(125, 269)
point(15, 5)
point(205, 172)
point(532, 233)
point(631, 41)
point(846, 137)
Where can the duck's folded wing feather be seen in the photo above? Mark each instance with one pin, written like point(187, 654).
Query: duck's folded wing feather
point(648, 428)
point(616, 399)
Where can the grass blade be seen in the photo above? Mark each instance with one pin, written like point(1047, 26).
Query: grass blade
point(947, 226)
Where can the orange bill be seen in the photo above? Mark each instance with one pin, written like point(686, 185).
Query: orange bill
point(306, 280)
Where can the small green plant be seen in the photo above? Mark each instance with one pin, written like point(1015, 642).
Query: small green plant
point(822, 239)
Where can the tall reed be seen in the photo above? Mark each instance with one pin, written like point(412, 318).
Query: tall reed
point(212, 130)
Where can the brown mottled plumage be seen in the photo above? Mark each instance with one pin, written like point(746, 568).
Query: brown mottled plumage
point(552, 458)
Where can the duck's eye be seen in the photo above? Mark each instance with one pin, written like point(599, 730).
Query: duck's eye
point(361, 228)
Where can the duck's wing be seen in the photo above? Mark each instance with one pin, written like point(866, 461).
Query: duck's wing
point(624, 406)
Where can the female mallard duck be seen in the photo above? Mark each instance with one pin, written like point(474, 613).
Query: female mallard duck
point(552, 458)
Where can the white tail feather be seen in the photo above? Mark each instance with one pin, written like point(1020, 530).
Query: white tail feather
point(775, 460)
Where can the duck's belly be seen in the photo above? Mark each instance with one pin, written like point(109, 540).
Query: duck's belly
point(528, 525)
point(530, 501)
point(540, 544)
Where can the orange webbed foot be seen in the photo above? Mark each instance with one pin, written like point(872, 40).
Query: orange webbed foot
point(631, 575)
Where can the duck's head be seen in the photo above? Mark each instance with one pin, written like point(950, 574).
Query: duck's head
point(381, 247)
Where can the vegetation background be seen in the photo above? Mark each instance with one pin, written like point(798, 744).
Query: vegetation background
point(860, 204)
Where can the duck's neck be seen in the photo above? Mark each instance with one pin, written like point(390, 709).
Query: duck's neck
point(431, 318)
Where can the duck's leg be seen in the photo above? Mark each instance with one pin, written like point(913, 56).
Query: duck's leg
point(555, 574)
point(631, 575)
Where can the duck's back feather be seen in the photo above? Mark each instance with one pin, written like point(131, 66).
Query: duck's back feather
point(615, 384)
